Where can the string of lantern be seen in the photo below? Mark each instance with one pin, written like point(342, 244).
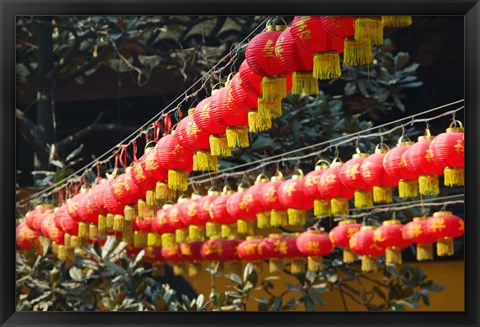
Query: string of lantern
point(334, 143)
point(138, 206)
point(359, 33)
point(108, 155)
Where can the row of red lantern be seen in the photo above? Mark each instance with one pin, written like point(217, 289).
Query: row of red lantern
point(366, 241)
point(218, 123)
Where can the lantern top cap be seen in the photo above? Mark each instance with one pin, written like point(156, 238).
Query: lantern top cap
point(391, 222)
point(336, 162)
point(452, 128)
point(404, 140)
point(213, 191)
point(275, 235)
point(442, 213)
point(313, 230)
point(254, 237)
point(378, 148)
point(347, 221)
point(367, 228)
point(426, 136)
point(420, 218)
point(43, 206)
point(322, 164)
point(360, 155)
point(196, 196)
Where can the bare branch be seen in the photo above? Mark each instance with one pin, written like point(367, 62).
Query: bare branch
point(27, 127)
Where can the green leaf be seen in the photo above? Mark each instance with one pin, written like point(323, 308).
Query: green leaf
point(316, 299)
point(113, 267)
point(311, 276)
point(108, 246)
point(412, 85)
point(398, 103)
point(410, 69)
point(392, 269)
point(235, 278)
point(401, 60)
point(277, 303)
point(76, 274)
point(436, 288)
point(309, 304)
point(320, 288)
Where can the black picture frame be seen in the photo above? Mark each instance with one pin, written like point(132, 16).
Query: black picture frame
point(10, 8)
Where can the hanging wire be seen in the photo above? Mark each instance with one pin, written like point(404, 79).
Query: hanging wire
point(280, 158)
point(104, 158)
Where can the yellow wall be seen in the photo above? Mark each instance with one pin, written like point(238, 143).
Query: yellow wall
point(449, 274)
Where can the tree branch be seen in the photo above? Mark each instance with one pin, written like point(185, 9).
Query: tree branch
point(26, 129)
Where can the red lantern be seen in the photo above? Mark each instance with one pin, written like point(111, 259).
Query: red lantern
point(390, 236)
point(33, 214)
point(189, 216)
point(447, 150)
point(291, 196)
point(273, 248)
point(220, 216)
point(351, 177)
point(416, 232)
point(294, 255)
point(260, 55)
point(175, 221)
point(396, 21)
point(314, 243)
point(254, 205)
point(203, 213)
point(223, 250)
point(321, 207)
point(248, 250)
point(172, 254)
point(191, 137)
point(26, 237)
point(420, 162)
point(331, 187)
point(235, 117)
point(153, 256)
point(445, 226)
point(298, 61)
point(357, 51)
point(362, 243)
point(310, 34)
point(247, 91)
point(270, 202)
point(72, 204)
point(238, 207)
point(218, 104)
point(139, 175)
point(160, 224)
point(154, 170)
point(177, 160)
point(64, 222)
point(396, 166)
point(340, 236)
point(374, 175)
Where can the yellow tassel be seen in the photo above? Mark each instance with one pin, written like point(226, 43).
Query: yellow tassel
point(203, 160)
point(178, 269)
point(363, 199)
point(82, 230)
point(428, 185)
point(141, 207)
point(127, 236)
point(369, 263)
point(55, 248)
point(296, 217)
point(257, 123)
point(349, 256)
point(150, 198)
point(275, 266)
point(340, 206)
point(424, 252)
point(382, 194)
point(407, 188)
point(263, 220)
point(195, 233)
point(177, 180)
point(180, 235)
point(130, 213)
point(304, 83)
point(322, 208)
point(357, 52)
point(274, 88)
point(237, 137)
point(233, 267)
point(158, 269)
point(369, 28)
point(269, 109)
point(212, 229)
point(67, 241)
point(297, 266)
point(228, 230)
point(445, 247)
point(163, 193)
point(454, 176)
point(74, 243)
point(61, 252)
point(191, 111)
point(278, 218)
point(246, 227)
point(153, 239)
point(393, 255)
point(168, 239)
point(92, 231)
point(102, 224)
point(193, 269)
point(219, 146)
point(396, 21)
point(315, 263)
point(140, 239)
point(118, 223)
point(326, 65)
